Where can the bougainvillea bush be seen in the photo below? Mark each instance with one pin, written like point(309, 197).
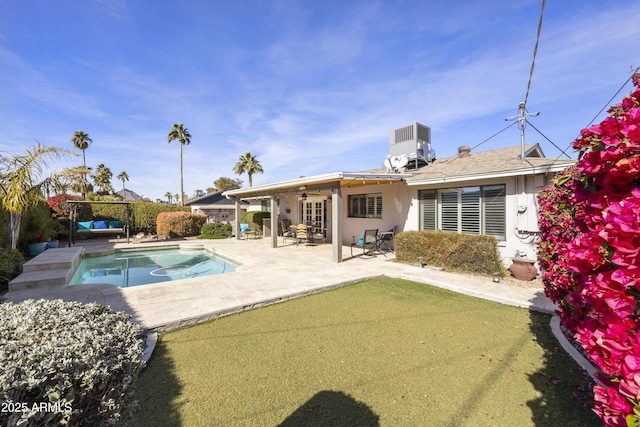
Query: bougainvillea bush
point(67, 363)
point(589, 253)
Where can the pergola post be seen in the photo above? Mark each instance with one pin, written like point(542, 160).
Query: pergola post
point(336, 224)
point(275, 210)
point(238, 213)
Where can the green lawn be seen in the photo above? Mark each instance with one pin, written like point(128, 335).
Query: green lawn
point(383, 352)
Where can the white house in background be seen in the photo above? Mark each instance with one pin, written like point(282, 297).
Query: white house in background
point(486, 192)
point(216, 207)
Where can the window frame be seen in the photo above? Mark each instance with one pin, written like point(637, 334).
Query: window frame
point(444, 209)
point(367, 205)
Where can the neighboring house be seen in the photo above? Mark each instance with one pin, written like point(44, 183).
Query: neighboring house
point(216, 207)
point(486, 192)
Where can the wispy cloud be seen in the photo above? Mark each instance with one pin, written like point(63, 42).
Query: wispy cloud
point(308, 87)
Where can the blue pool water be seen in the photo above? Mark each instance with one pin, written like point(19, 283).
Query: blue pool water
point(125, 269)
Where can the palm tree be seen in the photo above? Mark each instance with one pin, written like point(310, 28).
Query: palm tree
point(176, 197)
point(102, 179)
point(81, 141)
point(73, 178)
point(122, 176)
point(180, 133)
point(169, 196)
point(249, 164)
point(20, 184)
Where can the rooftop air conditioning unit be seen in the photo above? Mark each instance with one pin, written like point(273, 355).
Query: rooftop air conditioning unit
point(410, 146)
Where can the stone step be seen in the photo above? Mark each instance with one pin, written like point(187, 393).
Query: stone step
point(55, 259)
point(40, 279)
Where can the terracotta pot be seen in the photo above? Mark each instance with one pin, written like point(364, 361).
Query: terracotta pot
point(523, 269)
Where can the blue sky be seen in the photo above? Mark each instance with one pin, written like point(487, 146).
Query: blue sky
point(309, 87)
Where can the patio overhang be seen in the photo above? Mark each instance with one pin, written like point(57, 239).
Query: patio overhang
point(327, 182)
point(331, 182)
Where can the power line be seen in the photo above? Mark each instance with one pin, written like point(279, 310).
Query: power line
point(492, 136)
point(596, 116)
point(535, 51)
point(607, 104)
point(545, 137)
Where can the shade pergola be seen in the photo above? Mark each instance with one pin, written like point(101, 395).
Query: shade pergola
point(333, 182)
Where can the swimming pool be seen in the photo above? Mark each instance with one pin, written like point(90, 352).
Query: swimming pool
point(135, 268)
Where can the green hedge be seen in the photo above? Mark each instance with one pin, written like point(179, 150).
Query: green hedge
point(65, 363)
point(215, 230)
point(143, 214)
point(463, 253)
point(10, 262)
point(254, 219)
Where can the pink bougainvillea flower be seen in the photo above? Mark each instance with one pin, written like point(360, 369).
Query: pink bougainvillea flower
point(589, 251)
point(612, 407)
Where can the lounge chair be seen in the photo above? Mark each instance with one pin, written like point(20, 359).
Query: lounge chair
point(367, 241)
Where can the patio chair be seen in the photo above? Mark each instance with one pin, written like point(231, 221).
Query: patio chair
point(301, 233)
point(247, 231)
point(287, 230)
point(367, 241)
point(384, 238)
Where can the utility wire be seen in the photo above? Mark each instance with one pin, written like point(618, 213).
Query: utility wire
point(608, 103)
point(545, 137)
point(596, 116)
point(613, 97)
point(535, 51)
point(492, 136)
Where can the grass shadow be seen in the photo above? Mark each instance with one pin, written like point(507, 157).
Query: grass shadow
point(332, 408)
point(567, 390)
point(157, 401)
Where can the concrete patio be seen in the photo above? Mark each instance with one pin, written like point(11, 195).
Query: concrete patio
point(265, 275)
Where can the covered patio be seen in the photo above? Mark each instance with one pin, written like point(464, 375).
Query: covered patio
point(307, 199)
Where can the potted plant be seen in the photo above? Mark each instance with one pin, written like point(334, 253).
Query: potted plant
point(51, 230)
point(36, 245)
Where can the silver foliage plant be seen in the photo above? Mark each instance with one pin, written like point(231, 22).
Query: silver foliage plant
point(66, 363)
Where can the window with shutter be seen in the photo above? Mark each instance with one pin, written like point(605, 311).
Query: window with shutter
point(365, 206)
point(469, 210)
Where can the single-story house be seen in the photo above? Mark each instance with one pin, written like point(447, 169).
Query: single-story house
point(216, 207)
point(489, 192)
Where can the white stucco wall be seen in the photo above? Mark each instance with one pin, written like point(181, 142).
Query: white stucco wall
point(521, 226)
point(395, 204)
point(401, 208)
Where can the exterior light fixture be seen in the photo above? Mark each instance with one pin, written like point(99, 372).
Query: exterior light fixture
point(304, 196)
point(421, 261)
point(496, 277)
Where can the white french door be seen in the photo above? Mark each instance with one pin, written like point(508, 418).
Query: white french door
point(314, 211)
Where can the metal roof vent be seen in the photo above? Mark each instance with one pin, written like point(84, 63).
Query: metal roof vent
point(464, 151)
point(410, 146)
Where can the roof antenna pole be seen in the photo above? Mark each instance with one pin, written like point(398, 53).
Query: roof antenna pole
point(522, 122)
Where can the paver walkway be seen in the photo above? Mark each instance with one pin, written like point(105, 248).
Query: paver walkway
point(266, 275)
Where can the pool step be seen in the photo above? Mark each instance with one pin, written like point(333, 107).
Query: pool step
point(40, 279)
point(50, 268)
